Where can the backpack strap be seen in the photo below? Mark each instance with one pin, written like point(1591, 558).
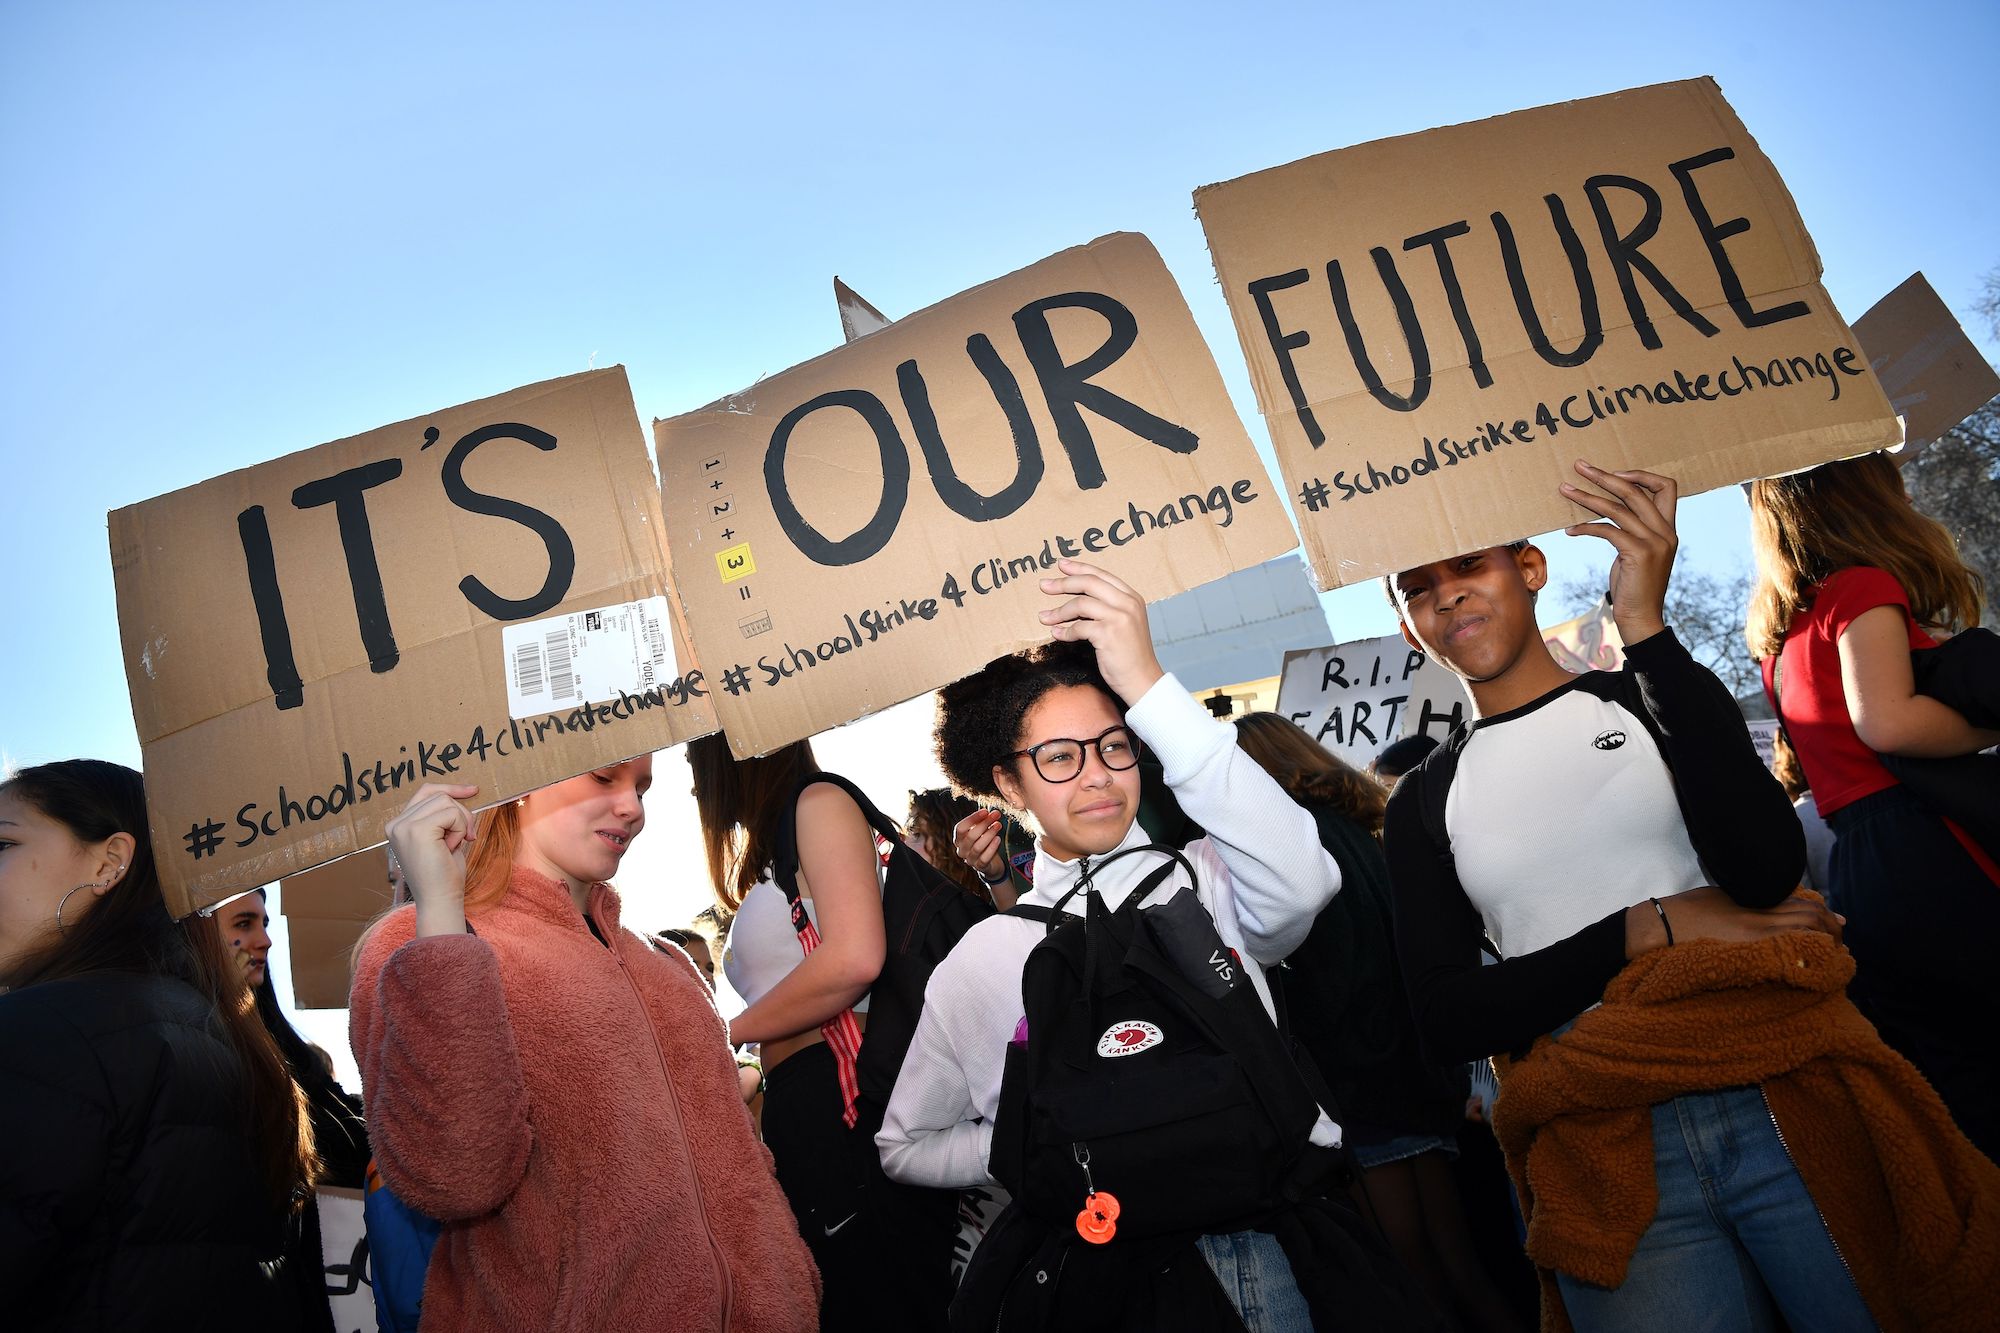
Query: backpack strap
point(1146, 885)
point(842, 1033)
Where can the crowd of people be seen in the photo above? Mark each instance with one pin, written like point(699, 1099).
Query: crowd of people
point(1150, 1021)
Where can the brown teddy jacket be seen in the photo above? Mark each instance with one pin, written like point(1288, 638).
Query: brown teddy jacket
point(1913, 1207)
point(571, 1112)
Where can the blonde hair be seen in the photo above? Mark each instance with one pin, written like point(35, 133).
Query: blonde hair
point(1811, 525)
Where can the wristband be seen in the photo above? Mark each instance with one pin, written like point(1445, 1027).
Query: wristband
point(992, 883)
point(1665, 924)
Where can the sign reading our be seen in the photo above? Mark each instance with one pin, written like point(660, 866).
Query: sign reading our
point(309, 640)
point(1438, 325)
point(1355, 698)
point(873, 523)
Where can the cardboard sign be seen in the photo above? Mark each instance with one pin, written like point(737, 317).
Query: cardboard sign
point(309, 640)
point(326, 909)
point(1590, 642)
point(1355, 698)
point(1438, 325)
point(874, 523)
point(343, 1240)
point(1933, 374)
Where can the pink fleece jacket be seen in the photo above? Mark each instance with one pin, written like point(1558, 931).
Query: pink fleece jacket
point(571, 1113)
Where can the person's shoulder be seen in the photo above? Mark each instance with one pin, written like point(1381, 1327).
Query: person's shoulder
point(826, 791)
point(996, 938)
point(826, 798)
point(61, 1028)
point(390, 932)
point(1858, 588)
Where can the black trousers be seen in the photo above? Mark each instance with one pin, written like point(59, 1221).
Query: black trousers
point(883, 1249)
point(1923, 923)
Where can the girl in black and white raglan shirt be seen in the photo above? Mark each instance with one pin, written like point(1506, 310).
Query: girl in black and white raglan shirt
point(1570, 827)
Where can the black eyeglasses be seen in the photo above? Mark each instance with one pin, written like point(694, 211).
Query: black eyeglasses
point(1061, 759)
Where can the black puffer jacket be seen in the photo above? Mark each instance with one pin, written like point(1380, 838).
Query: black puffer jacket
point(130, 1197)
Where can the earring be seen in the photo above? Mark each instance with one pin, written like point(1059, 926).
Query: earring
point(522, 801)
point(61, 929)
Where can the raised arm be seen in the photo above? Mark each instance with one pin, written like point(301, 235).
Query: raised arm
point(440, 1073)
point(427, 1017)
point(1737, 817)
point(1280, 875)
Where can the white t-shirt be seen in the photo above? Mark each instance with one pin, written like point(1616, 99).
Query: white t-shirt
point(762, 948)
point(1568, 751)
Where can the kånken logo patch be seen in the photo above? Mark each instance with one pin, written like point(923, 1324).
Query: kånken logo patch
point(1128, 1038)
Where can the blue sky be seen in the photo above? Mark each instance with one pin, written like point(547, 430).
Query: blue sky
point(232, 231)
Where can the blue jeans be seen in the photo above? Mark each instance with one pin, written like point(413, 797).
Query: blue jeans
point(1252, 1268)
point(1737, 1242)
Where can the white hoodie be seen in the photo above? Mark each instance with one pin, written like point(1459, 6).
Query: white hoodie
point(1263, 877)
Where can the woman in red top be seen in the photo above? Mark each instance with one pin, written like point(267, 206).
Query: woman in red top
point(1851, 578)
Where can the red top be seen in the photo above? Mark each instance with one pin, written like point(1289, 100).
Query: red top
point(1839, 766)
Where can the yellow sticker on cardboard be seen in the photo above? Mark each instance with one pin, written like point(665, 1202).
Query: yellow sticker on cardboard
point(735, 563)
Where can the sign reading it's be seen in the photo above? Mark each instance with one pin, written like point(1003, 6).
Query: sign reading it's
point(874, 523)
point(474, 596)
point(1438, 325)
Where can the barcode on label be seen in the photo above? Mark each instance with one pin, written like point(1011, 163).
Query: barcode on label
point(656, 639)
point(562, 680)
point(528, 669)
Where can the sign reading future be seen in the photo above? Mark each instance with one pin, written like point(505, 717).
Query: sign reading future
point(1438, 324)
point(474, 596)
point(875, 522)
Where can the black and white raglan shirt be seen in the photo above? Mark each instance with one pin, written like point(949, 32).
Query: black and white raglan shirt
point(1532, 831)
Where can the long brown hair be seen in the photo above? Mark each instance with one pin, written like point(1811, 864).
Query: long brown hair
point(129, 930)
point(741, 802)
point(1308, 771)
point(935, 813)
point(1813, 524)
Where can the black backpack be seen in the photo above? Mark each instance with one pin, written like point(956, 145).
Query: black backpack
point(923, 916)
point(1152, 1072)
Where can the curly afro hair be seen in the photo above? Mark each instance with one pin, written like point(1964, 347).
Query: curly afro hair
point(979, 718)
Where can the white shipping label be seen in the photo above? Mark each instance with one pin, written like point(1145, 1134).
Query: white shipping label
point(588, 657)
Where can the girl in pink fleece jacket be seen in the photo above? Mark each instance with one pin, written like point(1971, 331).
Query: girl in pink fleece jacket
point(557, 1092)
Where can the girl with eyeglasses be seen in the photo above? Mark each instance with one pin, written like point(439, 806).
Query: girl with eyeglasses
point(1055, 735)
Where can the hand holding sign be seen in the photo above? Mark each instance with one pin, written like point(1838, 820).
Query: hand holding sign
point(1640, 510)
point(1105, 612)
point(430, 839)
